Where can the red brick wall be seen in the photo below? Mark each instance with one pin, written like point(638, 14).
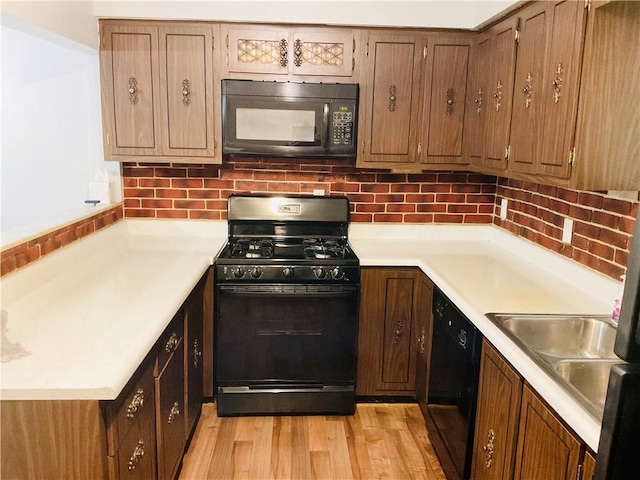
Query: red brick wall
point(200, 191)
point(602, 226)
point(18, 256)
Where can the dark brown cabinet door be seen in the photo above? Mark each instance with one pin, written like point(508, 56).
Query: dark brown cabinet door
point(445, 91)
point(527, 112)
point(589, 466)
point(478, 98)
point(496, 431)
point(387, 343)
point(546, 449)
point(424, 323)
point(137, 451)
point(193, 360)
point(546, 87)
point(170, 413)
point(390, 100)
point(502, 58)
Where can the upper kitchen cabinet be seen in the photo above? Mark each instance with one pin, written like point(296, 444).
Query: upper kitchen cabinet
point(265, 52)
point(489, 100)
point(608, 132)
point(390, 96)
point(440, 140)
point(413, 100)
point(158, 91)
point(545, 98)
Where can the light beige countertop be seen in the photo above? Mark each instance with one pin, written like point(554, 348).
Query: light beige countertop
point(485, 269)
point(90, 312)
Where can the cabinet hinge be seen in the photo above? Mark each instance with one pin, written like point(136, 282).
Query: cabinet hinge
point(227, 40)
point(425, 50)
point(215, 143)
point(419, 148)
point(108, 139)
point(587, 5)
point(354, 44)
point(366, 49)
point(507, 152)
point(572, 155)
point(213, 43)
point(516, 36)
point(353, 64)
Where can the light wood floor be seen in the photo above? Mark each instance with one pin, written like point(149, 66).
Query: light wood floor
point(381, 441)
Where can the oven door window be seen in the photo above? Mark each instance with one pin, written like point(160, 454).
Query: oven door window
point(286, 335)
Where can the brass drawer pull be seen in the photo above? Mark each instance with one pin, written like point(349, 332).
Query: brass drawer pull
point(172, 343)
point(136, 403)
point(488, 448)
point(138, 453)
point(175, 411)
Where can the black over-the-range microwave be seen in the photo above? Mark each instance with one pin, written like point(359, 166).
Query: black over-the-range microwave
point(289, 119)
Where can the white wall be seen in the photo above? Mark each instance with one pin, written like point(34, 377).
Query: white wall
point(410, 13)
point(51, 130)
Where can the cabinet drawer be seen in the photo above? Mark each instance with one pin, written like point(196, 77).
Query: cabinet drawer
point(138, 403)
point(137, 452)
point(169, 341)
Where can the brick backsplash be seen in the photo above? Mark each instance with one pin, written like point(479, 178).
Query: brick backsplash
point(17, 256)
point(601, 239)
point(201, 191)
point(602, 228)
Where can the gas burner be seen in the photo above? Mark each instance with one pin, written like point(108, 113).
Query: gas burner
point(323, 248)
point(252, 248)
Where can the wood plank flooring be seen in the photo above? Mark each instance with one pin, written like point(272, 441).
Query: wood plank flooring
point(381, 441)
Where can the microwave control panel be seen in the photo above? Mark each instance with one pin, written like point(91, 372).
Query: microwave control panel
point(343, 118)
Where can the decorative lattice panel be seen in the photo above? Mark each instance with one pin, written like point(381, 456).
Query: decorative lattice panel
point(323, 54)
point(265, 52)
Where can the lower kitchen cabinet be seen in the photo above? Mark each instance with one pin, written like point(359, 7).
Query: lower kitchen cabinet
point(169, 389)
point(141, 434)
point(517, 435)
point(425, 328)
point(499, 398)
point(389, 335)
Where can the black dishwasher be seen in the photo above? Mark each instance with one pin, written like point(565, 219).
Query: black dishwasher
point(453, 387)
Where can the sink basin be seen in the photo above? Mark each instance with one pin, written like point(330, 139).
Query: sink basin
point(562, 336)
point(590, 378)
point(575, 350)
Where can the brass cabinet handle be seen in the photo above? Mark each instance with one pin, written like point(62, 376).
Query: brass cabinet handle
point(133, 90)
point(557, 83)
point(138, 452)
point(173, 413)
point(478, 101)
point(498, 95)
point(297, 52)
point(284, 53)
point(392, 98)
point(186, 92)
point(196, 353)
point(488, 448)
point(136, 403)
point(397, 333)
point(172, 343)
point(421, 340)
point(450, 100)
point(527, 90)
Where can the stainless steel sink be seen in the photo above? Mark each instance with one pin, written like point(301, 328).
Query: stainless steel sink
point(576, 351)
point(563, 336)
point(589, 377)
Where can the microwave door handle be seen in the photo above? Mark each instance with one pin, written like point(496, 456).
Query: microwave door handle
point(327, 126)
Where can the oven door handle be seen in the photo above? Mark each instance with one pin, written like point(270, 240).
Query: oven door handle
point(308, 290)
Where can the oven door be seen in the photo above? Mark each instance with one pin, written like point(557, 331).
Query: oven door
point(286, 336)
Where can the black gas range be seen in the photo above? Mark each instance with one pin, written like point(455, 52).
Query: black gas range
point(287, 289)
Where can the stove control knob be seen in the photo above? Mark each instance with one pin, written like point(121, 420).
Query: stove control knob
point(255, 272)
point(238, 272)
point(337, 274)
point(287, 272)
point(319, 273)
